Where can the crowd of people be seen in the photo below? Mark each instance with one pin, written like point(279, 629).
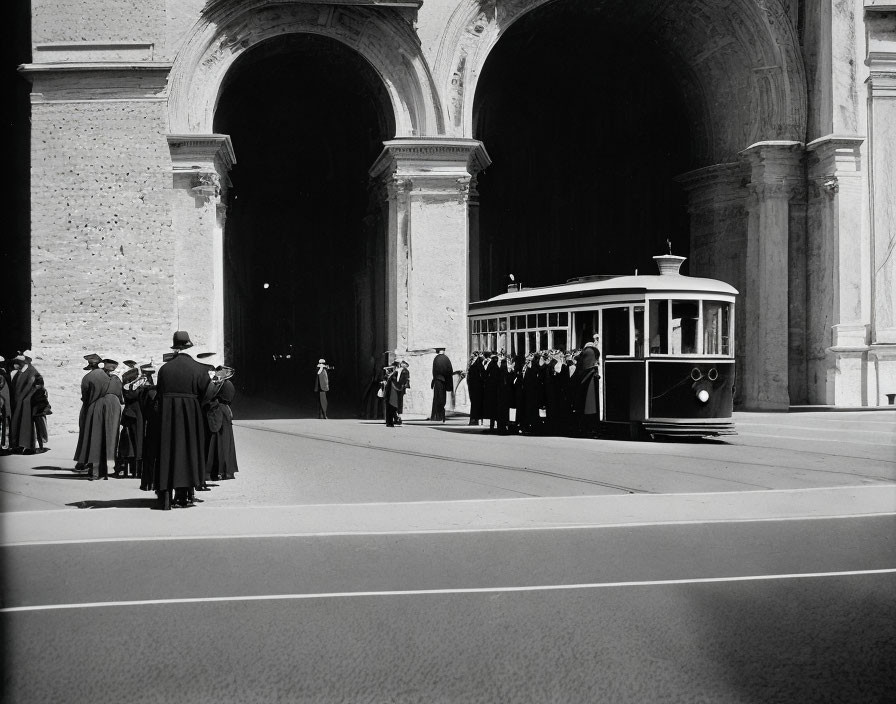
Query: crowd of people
point(550, 392)
point(24, 406)
point(175, 434)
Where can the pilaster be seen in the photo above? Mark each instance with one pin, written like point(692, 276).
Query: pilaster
point(200, 166)
point(427, 250)
point(880, 29)
point(838, 311)
point(776, 175)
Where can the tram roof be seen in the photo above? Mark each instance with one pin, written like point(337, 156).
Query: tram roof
point(647, 283)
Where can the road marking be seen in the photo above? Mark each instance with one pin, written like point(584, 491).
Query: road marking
point(424, 592)
point(438, 531)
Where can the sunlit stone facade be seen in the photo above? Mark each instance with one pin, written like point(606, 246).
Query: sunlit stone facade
point(791, 104)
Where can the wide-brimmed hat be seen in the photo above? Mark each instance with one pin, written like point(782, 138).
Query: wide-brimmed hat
point(181, 340)
point(205, 354)
point(130, 363)
point(147, 368)
point(130, 375)
point(93, 361)
point(110, 364)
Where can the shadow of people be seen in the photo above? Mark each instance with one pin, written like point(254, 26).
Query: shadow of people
point(151, 503)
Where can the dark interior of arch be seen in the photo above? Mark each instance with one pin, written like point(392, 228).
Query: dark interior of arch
point(586, 130)
point(307, 117)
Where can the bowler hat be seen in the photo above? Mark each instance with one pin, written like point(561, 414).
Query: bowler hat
point(181, 340)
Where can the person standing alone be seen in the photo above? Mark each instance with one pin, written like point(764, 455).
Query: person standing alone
point(321, 387)
point(442, 371)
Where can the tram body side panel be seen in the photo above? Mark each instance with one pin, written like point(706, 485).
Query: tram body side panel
point(674, 389)
point(623, 390)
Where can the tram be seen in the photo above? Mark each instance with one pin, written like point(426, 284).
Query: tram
point(666, 342)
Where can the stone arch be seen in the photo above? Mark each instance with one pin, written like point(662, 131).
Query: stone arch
point(227, 29)
point(739, 65)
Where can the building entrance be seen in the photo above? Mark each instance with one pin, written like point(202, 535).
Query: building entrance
point(586, 135)
point(303, 242)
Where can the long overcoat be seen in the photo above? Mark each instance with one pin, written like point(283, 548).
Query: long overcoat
point(101, 396)
point(181, 387)
point(220, 460)
point(133, 425)
point(21, 429)
point(475, 388)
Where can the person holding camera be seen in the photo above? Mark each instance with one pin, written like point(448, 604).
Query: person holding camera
point(393, 393)
point(321, 387)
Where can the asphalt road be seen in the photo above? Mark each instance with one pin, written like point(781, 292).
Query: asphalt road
point(789, 611)
point(436, 563)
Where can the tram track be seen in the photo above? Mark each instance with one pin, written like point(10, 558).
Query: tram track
point(445, 458)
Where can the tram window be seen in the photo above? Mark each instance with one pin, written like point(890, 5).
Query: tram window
point(639, 331)
point(519, 343)
point(616, 336)
point(586, 324)
point(530, 342)
point(715, 327)
point(502, 324)
point(475, 326)
point(659, 327)
point(530, 320)
point(492, 324)
point(542, 339)
point(684, 327)
point(542, 320)
point(559, 340)
point(553, 320)
point(564, 319)
point(502, 342)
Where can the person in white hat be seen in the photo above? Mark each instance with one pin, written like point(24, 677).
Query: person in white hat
point(321, 387)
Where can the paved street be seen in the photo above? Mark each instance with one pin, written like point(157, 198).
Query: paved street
point(351, 563)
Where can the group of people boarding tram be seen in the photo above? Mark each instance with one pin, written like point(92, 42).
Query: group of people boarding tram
point(174, 434)
point(549, 392)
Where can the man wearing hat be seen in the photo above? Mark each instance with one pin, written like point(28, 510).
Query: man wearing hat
point(149, 408)
point(129, 457)
point(102, 397)
point(321, 387)
point(93, 365)
point(181, 388)
point(5, 404)
point(442, 371)
point(25, 381)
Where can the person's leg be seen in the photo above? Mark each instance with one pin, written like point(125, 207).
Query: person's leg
point(323, 405)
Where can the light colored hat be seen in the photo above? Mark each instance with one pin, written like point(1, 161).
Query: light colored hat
point(321, 361)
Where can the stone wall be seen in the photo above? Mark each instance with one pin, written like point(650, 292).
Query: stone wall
point(101, 244)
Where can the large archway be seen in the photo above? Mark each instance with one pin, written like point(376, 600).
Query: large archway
point(584, 151)
point(303, 247)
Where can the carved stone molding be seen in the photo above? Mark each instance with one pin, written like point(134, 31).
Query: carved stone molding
point(202, 162)
point(375, 30)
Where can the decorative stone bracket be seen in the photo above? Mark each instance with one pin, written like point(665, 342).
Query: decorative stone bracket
point(202, 163)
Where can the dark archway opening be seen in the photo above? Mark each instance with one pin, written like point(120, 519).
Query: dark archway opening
point(586, 130)
point(303, 242)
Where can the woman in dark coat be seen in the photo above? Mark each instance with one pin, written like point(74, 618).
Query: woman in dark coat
point(220, 461)
point(130, 441)
point(475, 388)
point(182, 385)
point(392, 393)
point(585, 383)
point(149, 407)
point(101, 394)
point(533, 395)
point(22, 387)
point(556, 380)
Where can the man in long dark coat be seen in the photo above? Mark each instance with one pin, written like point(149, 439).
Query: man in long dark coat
point(101, 394)
point(585, 382)
point(321, 387)
point(149, 406)
point(491, 380)
point(93, 362)
point(25, 381)
point(475, 388)
point(442, 372)
point(182, 385)
point(130, 443)
point(556, 381)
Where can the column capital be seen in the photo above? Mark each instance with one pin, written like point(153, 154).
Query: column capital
point(201, 163)
point(433, 163)
point(775, 169)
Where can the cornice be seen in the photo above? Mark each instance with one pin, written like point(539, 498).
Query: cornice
point(188, 149)
point(431, 156)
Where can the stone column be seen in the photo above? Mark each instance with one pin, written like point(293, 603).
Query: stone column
point(717, 204)
point(776, 174)
point(200, 164)
point(838, 315)
point(427, 251)
point(880, 20)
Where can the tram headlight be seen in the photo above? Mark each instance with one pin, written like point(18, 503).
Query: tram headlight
point(703, 395)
